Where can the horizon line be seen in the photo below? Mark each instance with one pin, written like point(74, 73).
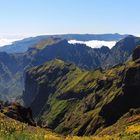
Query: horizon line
point(28, 35)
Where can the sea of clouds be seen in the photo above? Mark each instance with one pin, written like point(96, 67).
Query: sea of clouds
point(8, 39)
point(94, 43)
point(4, 41)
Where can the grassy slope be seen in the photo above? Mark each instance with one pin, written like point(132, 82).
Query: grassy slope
point(11, 129)
point(75, 114)
point(125, 129)
point(47, 42)
point(79, 114)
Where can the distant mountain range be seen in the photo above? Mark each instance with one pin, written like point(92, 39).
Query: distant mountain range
point(88, 37)
point(23, 45)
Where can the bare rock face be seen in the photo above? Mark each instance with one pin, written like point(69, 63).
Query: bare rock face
point(136, 54)
point(127, 99)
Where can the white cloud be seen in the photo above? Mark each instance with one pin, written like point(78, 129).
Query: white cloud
point(138, 35)
point(8, 39)
point(4, 41)
point(94, 43)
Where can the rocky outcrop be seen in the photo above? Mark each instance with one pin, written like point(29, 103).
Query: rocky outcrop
point(136, 54)
point(127, 98)
point(18, 112)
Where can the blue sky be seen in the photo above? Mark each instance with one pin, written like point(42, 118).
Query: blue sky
point(32, 17)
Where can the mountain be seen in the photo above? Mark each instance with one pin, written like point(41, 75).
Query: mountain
point(11, 80)
point(71, 100)
point(82, 55)
point(88, 37)
point(124, 48)
point(15, 65)
point(78, 54)
point(23, 45)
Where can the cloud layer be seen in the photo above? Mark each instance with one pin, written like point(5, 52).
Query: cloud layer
point(94, 43)
point(4, 41)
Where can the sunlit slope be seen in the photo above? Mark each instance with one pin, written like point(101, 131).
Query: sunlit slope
point(70, 100)
point(127, 128)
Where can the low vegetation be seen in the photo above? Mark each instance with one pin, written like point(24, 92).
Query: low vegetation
point(126, 129)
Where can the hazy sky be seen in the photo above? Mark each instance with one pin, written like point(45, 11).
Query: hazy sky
point(32, 17)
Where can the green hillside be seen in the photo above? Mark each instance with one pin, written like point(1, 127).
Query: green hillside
point(13, 66)
point(70, 100)
point(127, 128)
point(70, 103)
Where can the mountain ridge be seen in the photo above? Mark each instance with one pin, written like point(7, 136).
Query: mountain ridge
point(52, 48)
point(23, 45)
point(70, 100)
